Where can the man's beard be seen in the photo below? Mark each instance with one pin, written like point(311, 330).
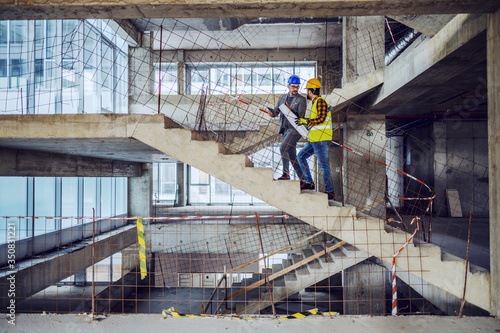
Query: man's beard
point(308, 97)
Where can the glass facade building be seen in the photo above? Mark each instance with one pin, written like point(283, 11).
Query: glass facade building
point(61, 67)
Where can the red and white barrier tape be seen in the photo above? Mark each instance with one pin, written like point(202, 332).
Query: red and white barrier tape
point(429, 207)
point(233, 98)
point(394, 285)
point(171, 218)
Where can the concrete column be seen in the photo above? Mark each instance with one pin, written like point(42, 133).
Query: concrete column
point(140, 193)
point(181, 184)
point(141, 75)
point(439, 165)
point(364, 181)
point(140, 203)
point(363, 43)
point(364, 289)
point(181, 70)
point(81, 278)
point(493, 69)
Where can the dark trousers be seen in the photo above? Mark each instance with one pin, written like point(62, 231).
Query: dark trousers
point(288, 150)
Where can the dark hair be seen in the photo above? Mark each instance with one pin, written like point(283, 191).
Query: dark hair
point(315, 91)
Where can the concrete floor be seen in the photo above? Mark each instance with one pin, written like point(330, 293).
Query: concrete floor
point(58, 299)
point(36, 323)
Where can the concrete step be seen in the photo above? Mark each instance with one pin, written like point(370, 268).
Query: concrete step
point(312, 264)
point(290, 276)
point(279, 282)
point(302, 270)
point(325, 258)
point(277, 268)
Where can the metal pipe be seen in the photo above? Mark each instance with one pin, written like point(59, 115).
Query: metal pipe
point(400, 46)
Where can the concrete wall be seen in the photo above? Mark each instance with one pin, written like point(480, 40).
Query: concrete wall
point(363, 45)
point(364, 289)
point(169, 266)
point(450, 155)
point(220, 238)
point(21, 163)
point(364, 180)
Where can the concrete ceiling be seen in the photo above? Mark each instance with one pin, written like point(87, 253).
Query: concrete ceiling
point(197, 34)
point(454, 85)
point(107, 9)
point(121, 149)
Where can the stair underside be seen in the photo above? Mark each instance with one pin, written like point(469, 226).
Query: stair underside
point(367, 234)
point(315, 273)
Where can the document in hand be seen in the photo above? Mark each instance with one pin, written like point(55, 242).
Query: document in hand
point(291, 118)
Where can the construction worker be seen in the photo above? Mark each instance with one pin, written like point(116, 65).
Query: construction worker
point(320, 137)
point(288, 148)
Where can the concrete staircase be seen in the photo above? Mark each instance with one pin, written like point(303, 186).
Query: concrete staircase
point(369, 234)
point(314, 265)
point(366, 233)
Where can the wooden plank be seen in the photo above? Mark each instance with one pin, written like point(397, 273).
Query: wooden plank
point(254, 261)
point(454, 207)
point(286, 270)
point(272, 254)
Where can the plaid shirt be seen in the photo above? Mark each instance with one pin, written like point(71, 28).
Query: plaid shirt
point(322, 112)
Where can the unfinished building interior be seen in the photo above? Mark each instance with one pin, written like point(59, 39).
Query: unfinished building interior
point(139, 161)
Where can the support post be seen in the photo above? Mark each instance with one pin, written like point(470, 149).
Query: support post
point(493, 70)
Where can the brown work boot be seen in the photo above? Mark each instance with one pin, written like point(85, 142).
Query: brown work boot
point(285, 176)
point(331, 196)
point(307, 186)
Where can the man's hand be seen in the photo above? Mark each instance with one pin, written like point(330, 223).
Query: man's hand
point(301, 121)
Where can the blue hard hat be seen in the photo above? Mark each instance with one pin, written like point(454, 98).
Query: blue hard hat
point(294, 80)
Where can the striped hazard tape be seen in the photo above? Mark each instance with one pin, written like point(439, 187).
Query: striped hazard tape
point(174, 313)
point(142, 248)
point(168, 218)
point(394, 285)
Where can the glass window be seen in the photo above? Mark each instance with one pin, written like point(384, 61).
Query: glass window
point(121, 196)
point(70, 83)
point(168, 77)
point(106, 77)
point(243, 80)
point(13, 203)
point(13, 196)
point(91, 102)
point(198, 77)
point(51, 42)
point(106, 196)
point(69, 200)
point(165, 181)
point(262, 78)
point(90, 197)
point(45, 204)
point(122, 86)
point(205, 189)
point(246, 78)
point(3, 31)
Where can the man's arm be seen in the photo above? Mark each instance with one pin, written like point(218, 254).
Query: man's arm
point(301, 106)
point(276, 110)
point(322, 112)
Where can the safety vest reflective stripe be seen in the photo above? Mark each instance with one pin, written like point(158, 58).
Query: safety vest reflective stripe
point(323, 131)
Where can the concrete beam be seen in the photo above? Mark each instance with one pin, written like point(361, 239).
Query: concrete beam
point(37, 274)
point(429, 25)
point(25, 163)
point(405, 71)
point(493, 55)
point(126, 30)
point(127, 9)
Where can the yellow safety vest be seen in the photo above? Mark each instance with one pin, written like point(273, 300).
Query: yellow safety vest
point(323, 131)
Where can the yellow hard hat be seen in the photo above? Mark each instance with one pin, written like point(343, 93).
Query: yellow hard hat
point(313, 84)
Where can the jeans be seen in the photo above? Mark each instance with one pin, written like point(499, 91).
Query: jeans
point(288, 150)
point(320, 149)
